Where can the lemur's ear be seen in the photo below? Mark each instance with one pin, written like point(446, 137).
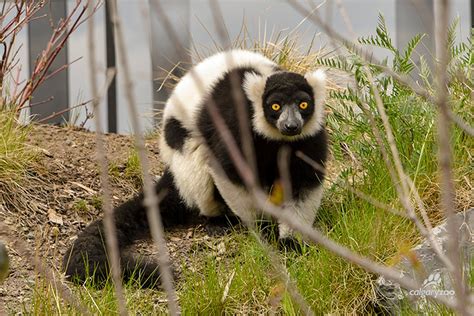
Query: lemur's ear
point(317, 80)
point(254, 86)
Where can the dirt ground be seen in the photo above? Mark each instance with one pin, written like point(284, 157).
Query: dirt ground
point(64, 196)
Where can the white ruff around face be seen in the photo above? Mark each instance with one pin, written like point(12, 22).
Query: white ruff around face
point(254, 86)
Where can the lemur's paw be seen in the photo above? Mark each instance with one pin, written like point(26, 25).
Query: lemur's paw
point(221, 225)
point(291, 244)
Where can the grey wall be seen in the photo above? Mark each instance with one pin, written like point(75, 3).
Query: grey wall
point(56, 87)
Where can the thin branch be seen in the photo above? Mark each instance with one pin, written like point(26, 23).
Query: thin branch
point(442, 10)
point(56, 114)
point(315, 165)
point(109, 223)
point(244, 125)
point(151, 199)
point(283, 274)
point(401, 182)
point(237, 93)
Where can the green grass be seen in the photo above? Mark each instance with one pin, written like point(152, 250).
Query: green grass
point(15, 156)
point(16, 159)
point(130, 170)
point(81, 206)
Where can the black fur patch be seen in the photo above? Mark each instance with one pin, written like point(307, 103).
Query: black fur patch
point(175, 134)
point(286, 83)
point(303, 176)
point(224, 100)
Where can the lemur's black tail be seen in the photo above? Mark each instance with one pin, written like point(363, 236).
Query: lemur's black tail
point(87, 257)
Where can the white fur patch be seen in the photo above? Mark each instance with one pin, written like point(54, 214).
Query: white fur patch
point(237, 198)
point(191, 175)
point(317, 81)
point(254, 86)
point(302, 211)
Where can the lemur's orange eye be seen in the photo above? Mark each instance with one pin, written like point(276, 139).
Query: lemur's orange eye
point(276, 106)
point(303, 105)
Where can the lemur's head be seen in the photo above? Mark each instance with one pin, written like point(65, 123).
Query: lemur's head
point(287, 105)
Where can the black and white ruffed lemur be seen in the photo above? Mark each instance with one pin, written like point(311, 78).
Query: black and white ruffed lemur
point(285, 109)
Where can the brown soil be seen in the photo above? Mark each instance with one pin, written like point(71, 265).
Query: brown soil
point(64, 196)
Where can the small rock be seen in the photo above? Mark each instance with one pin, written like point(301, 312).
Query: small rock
point(4, 262)
point(221, 248)
point(54, 217)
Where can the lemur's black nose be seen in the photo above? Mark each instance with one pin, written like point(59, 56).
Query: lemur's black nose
point(291, 127)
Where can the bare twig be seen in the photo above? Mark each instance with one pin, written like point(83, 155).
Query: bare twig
point(237, 93)
point(400, 179)
point(109, 224)
point(360, 194)
point(442, 10)
point(151, 199)
point(55, 114)
point(345, 18)
point(283, 274)
point(316, 236)
point(56, 43)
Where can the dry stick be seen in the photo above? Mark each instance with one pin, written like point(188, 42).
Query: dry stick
point(345, 17)
point(52, 50)
point(150, 196)
point(42, 65)
point(444, 156)
point(283, 161)
point(226, 135)
point(316, 236)
point(277, 265)
point(237, 93)
point(367, 56)
point(109, 223)
point(403, 177)
point(315, 165)
point(402, 190)
point(284, 171)
point(249, 153)
point(109, 76)
point(420, 204)
point(260, 197)
point(55, 114)
point(283, 274)
point(401, 183)
point(22, 248)
point(428, 234)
